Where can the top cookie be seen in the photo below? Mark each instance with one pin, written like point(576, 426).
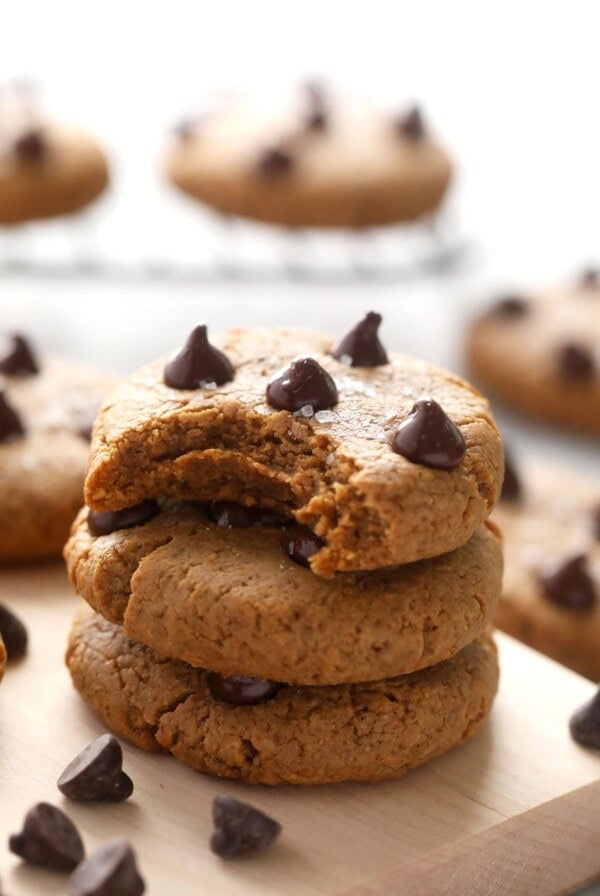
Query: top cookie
point(312, 159)
point(343, 470)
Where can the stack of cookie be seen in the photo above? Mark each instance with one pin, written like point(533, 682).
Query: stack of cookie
point(287, 557)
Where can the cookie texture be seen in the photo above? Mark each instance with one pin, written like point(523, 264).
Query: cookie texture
point(555, 517)
point(232, 600)
point(526, 359)
point(3, 657)
point(337, 473)
point(362, 732)
point(263, 160)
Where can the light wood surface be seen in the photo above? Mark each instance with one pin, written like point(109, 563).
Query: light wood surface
point(515, 811)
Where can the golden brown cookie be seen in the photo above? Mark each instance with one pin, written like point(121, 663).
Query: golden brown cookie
point(312, 735)
point(338, 470)
point(551, 593)
point(311, 160)
point(541, 354)
point(232, 600)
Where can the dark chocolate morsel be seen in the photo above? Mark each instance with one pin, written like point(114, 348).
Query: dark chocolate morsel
point(31, 146)
point(585, 723)
point(238, 516)
point(110, 871)
point(510, 306)
point(11, 427)
point(240, 828)
point(14, 634)
point(241, 690)
point(361, 344)
point(97, 773)
point(511, 485)
point(198, 363)
point(590, 279)
point(411, 124)
point(48, 839)
point(575, 362)
point(108, 521)
point(303, 544)
point(19, 357)
point(274, 162)
point(568, 583)
point(303, 383)
point(429, 437)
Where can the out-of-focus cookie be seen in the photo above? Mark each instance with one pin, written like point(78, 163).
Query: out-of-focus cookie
point(311, 159)
point(308, 735)
point(541, 353)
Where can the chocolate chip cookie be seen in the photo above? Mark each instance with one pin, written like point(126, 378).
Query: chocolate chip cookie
point(309, 735)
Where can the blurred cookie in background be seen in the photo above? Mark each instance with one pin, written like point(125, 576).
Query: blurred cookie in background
point(541, 353)
point(312, 158)
point(46, 169)
point(550, 519)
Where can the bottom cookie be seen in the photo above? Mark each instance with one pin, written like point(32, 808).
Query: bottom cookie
point(302, 735)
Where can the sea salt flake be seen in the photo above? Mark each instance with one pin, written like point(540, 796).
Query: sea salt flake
point(208, 384)
point(306, 410)
point(329, 460)
point(346, 359)
point(324, 416)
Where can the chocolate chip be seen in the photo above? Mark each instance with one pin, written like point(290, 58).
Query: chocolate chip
point(31, 146)
point(429, 437)
point(48, 839)
point(240, 828)
point(11, 427)
point(567, 582)
point(274, 162)
point(511, 485)
point(97, 773)
point(241, 690)
point(575, 362)
point(303, 545)
point(237, 516)
point(198, 364)
point(360, 346)
point(18, 357)
point(590, 279)
point(111, 520)
point(411, 124)
point(110, 871)
point(303, 383)
point(14, 633)
point(510, 306)
point(585, 723)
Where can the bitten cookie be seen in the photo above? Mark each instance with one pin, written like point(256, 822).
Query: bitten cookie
point(314, 159)
point(551, 595)
point(388, 460)
point(312, 735)
point(541, 354)
point(233, 600)
point(46, 411)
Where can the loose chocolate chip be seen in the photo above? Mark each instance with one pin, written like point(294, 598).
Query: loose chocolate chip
point(97, 773)
point(31, 146)
point(274, 162)
point(111, 520)
point(411, 124)
point(303, 545)
point(240, 828)
point(241, 690)
point(48, 839)
point(429, 437)
point(14, 634)
point(198, 363)
point(585, 723)
point(590, 279)
point(237, 516)
point(18, 357)
point(511, 485)
point(510, 306)
point(360, 346)
point(303, 383)
point(110, 871)
point(568, 583)
point(575, 362)
point(11, 427)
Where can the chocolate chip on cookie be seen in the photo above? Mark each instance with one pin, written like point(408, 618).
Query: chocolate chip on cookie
point(567, 582)
point(198, 364)
point(360, 346)
point(510, 306)
point(11, 427)
point(429, 437)
point(274, 162)
point(585, 723)
point(48, 839)
point(241, 690)
point(511, 485)
point(303, 545)
point(411, 124)
point(590, 279)
point(18, 357)
point(303, 383)
point(575, 362)
point(96, 774)
point(111, 520)
point(13, 633)
point(240, 828)
point(110, 871)
point(31, 146)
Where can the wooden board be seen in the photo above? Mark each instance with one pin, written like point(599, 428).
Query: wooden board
point(515, 811)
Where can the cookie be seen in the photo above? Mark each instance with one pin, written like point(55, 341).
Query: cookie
point(312, 735)
point(45, 418)
point(3, 657)
point(551, 592)
point(541, 354)
point(313, 159)
point(232, 600)
point(387, 464)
